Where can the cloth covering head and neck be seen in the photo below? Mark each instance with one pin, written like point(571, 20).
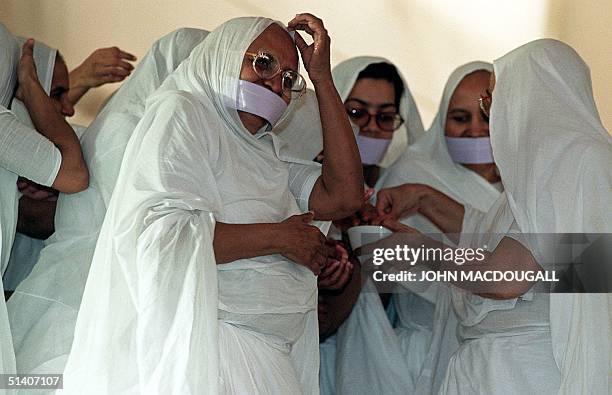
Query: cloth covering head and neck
point(38, 305)
point(164, 205)
point(554, 157)
point(427, 161)
point(345, 76)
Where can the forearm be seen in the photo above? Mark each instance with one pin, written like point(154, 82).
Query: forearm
point(78, 85)
point(342, 173)
point(241, 241)
point(73, 175)
point(509, 255)
point(445, 212)
point(340, 304)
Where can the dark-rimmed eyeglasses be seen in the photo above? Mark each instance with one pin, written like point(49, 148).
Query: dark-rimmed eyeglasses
point(266, 66)
point(360, 115)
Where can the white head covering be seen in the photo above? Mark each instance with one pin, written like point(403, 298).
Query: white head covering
point(9, 60)
point(345, 75)
point(427, 161)
point(166, 315)
point(555, 160)
point(43, 303)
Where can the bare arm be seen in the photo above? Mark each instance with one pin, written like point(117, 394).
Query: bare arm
point(293, 238)
point(73, 175)
point(103, 66)
point(339, 191)
point(509, 255)
point(408, 199)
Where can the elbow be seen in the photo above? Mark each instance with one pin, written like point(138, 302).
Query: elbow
point(74, 182)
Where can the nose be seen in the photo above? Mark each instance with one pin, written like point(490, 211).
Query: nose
point(371, 126)
point(478, 127)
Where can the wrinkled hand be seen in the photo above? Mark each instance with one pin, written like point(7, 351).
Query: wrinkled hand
point(303, 243)
point(316, 56)
point(338, 269)
point(35, 191)
point(26, 73)
point(103, 66)
point(397, 202)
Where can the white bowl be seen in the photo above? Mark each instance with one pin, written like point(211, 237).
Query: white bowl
point(366, 234)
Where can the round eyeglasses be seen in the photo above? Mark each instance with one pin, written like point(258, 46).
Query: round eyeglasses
point(266, 66)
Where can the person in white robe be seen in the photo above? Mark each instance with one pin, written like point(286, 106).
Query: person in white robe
point(413, 352)
point(547, 139)
point(44, 308)
point(202, 280)
point(45, 137)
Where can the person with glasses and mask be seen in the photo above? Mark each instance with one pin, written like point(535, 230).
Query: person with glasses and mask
point(206, 262)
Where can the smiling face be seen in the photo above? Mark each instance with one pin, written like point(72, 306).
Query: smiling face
point(277, 42)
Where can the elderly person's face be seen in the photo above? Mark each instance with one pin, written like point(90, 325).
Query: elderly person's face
point(277, 42)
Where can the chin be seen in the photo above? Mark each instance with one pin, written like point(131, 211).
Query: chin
point(251, 122)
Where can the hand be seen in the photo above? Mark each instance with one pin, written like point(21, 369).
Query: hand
point(35, 191)
point(338, 269)
point(303, 243)
point(398, 202)
point(104, 65)
point(316, 56)
point(26, 72)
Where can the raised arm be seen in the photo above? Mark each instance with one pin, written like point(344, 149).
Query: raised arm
point(73, 175)
point(103, 66)
point(339, 191)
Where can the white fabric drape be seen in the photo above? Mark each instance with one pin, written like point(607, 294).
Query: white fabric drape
point(44, 308)
point(9, 57)
point(555, 157)
point(148, 319)
point(423, 337)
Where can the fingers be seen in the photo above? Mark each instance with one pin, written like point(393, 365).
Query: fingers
point(300, 43)
point(28, 48)
point(368, 194)
point(384, 202)
point(126, 55)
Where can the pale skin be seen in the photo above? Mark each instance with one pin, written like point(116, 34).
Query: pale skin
point(336, 193)
point(508, 255)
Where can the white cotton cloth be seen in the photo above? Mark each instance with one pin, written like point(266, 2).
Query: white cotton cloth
point(153, 281)
point(9, 58)
point(422, 318)
point(548, 140)
point(44, 308)
point(543, 114)
point(345, 75)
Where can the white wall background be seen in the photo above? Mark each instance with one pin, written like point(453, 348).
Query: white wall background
point(426, 39)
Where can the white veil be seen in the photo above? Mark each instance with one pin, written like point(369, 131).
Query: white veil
point(146, 326)
point(345, 75)
point(555, 160)
point(44, 307)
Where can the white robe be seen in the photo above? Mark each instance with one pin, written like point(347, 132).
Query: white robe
point(183, 322)
point(547, 140)
point(44, 308)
